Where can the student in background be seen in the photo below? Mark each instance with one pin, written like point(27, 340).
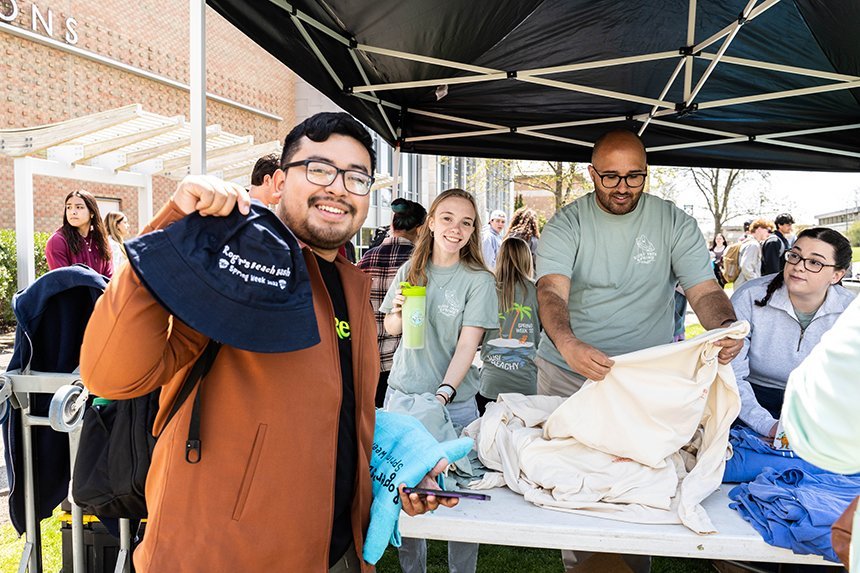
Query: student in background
point(116, 224)
point(508, 351)
point(82, 238)
point(381, 263)
point(262, 184)
point(788, 312)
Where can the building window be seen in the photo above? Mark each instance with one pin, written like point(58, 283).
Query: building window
point(108, 205)
point(445, 173)
point(411, 188)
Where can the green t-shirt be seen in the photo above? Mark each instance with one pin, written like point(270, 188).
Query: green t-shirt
point(456, 297)
point(623, 270)
point(508, 351)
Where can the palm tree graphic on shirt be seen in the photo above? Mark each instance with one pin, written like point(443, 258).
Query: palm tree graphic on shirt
point(521, 310)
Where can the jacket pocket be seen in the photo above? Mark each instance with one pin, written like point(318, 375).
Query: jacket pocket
point(250, 470)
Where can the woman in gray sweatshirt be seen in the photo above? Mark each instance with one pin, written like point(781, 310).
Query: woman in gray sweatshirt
point(788, 312)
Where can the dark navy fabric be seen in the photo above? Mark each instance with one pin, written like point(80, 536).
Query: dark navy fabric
point(237, 279)
point(795, 509)
point(52, 314)
point(752, 453)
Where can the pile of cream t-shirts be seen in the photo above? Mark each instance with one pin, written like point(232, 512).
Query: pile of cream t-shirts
point(647, 444)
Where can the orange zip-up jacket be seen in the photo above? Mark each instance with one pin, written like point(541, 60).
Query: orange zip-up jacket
point(262, 496)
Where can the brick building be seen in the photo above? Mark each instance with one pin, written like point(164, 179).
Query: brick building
point(86, 56)
point(59, 62)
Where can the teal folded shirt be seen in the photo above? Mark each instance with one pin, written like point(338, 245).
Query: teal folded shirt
point(403, 452)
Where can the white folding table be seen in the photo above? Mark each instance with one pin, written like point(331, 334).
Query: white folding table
point(507, 519)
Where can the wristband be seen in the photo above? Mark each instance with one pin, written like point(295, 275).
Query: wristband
point(448, 391)
point(445, 397)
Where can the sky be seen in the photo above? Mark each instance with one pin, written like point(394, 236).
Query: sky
point(803, 194)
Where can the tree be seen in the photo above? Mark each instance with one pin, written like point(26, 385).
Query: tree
point(564, 180)
point(719, 188)
point(853, 234)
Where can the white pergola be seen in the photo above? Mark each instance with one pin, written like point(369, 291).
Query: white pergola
point(125, 146)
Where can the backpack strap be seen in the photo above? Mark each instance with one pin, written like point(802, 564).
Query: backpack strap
point(195, 375)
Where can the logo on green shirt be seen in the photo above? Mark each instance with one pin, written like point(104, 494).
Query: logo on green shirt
point(341, 327)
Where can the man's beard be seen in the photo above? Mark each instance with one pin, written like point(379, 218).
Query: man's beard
point(323, 238)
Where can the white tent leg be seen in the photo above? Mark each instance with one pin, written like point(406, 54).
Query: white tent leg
point(197, 47)
point(24, 221)
point(395, 173)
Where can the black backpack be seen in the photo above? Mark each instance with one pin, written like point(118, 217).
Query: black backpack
point(116, 446)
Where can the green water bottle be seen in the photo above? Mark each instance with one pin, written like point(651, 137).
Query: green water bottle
point(414, 313)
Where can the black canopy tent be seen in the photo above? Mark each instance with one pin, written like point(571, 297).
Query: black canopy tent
point(759, 84)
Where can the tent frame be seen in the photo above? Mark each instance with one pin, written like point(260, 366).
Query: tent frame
point(661, 108)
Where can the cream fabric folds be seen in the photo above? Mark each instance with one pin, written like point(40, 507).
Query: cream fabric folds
point(647, 444)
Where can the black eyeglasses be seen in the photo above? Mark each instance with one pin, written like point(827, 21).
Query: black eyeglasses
point(612, 180)
point(811, 265)
point(322, 173)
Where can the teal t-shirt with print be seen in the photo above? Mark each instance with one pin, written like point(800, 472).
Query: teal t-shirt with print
point(623, 270)
point(508, 351)
point(457, 296)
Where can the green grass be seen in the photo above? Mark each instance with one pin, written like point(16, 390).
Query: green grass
point(12, 546)
point(693, 330)
point(855, 257)
point(497, 559)
point(491, 559)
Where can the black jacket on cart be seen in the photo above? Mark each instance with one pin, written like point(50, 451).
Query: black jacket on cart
point(52, 315)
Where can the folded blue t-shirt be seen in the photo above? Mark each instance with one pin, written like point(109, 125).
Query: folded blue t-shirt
point(752, 453)
point(796, 509)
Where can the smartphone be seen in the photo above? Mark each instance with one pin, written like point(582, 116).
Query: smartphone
point(444, 493)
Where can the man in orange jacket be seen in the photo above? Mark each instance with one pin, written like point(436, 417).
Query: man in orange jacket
point(284, 484)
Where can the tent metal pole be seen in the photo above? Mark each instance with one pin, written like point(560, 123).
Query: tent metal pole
point(555, 138)
point(756, 12)
point(311, 21)
point(780, 68)
point(573, 123)
point(197, 41)
point(813, 130)
point(688, 59)
point(426, 59)
point(313, 46)
point(597, 91)
point(456, 135)
point(456, 119)
point(672, 78)
point(736, 27)
point(780, 95)
point(765, 139)
point(697, 144)
point(376, 100)
point(395, 174)
point(656, 56)
point(696, 128)
point(378, 105)
point(430, 83)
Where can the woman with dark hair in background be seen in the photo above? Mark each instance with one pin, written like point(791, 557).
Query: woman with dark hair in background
point(718, 247)
point(82, 238)
point(524, 225)
point(381, 263)
point(117, 226)
point(788, 312)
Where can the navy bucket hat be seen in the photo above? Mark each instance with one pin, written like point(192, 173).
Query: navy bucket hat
point(240, 280)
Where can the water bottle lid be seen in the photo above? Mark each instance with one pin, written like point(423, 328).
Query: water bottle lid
point(409, 290)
